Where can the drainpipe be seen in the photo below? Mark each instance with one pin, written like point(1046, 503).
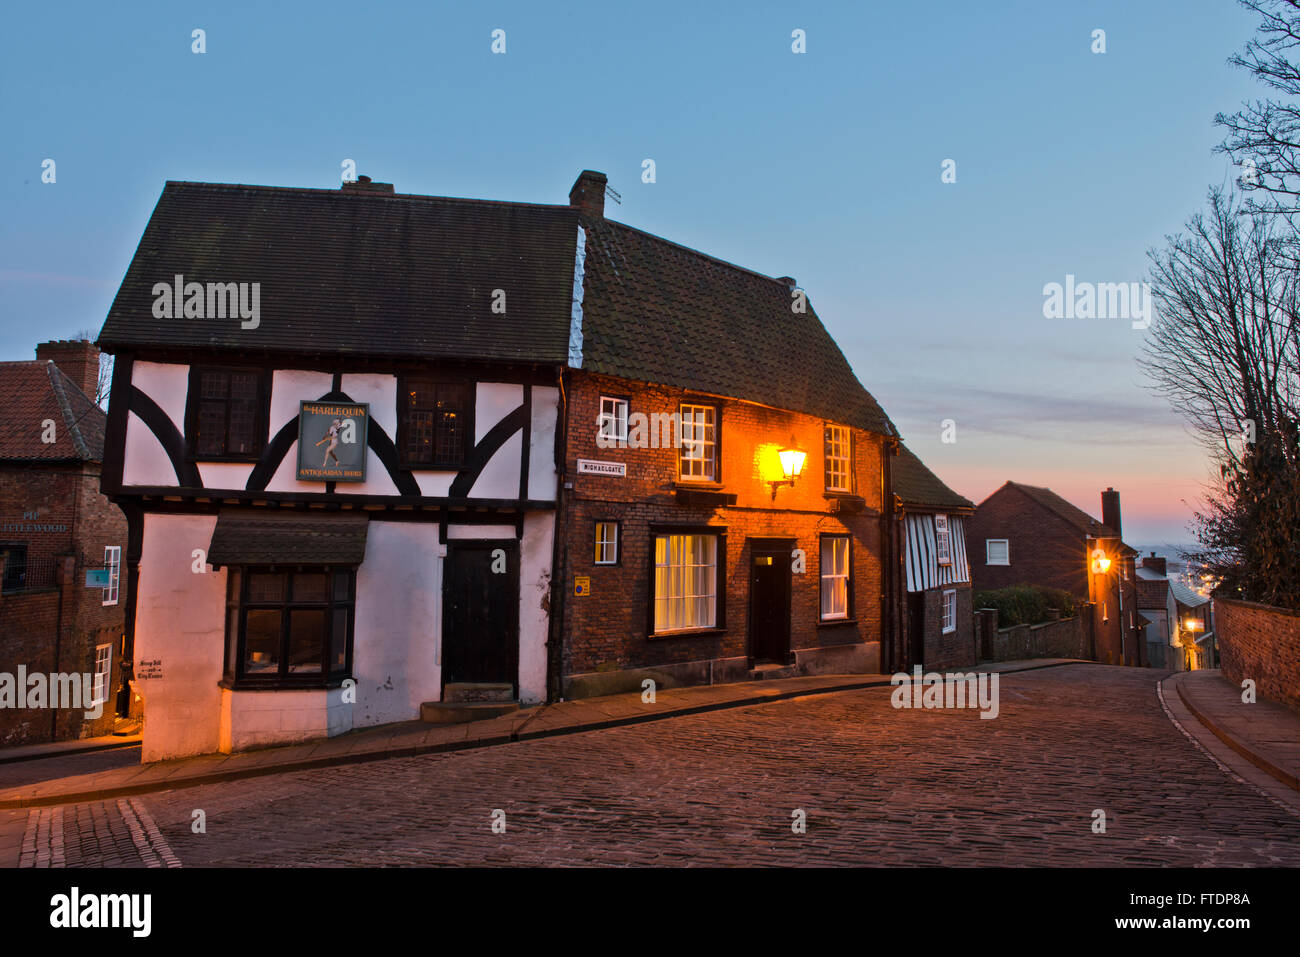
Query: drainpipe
point(889, 573)
point(559, 554)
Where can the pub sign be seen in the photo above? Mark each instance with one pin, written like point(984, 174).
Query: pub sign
point(332, 441)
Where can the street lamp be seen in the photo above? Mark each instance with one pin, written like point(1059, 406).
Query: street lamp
point(792, 460)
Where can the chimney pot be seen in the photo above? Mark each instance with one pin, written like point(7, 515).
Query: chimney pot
point(588, 193)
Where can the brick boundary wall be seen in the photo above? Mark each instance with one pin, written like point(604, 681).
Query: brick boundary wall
point(1260, 642)
point(1066, 638)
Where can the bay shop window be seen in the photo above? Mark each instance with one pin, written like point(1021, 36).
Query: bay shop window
point(688, 592)
point(289, 627)
point(291, 588)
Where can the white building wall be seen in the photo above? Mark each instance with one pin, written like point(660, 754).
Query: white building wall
point(145, 461)
point(179, 624)
point(541, 452)
point(534, 583)
point(398, 630)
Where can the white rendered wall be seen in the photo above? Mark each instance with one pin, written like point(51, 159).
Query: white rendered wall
point(179, 623)
point(534, 583)
point(262, 719)
point(541, 452)
point(145, 462)
point(398, 622)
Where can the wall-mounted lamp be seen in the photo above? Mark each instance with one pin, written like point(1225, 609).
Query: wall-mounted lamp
point(1194, 624)
point(1100, 563)
point(792, 459)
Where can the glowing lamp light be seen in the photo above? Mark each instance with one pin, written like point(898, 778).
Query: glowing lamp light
point(792, 460)
point(1100, 563)
point(1194, 624)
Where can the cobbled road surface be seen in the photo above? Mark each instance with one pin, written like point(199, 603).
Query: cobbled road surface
point(877, 785)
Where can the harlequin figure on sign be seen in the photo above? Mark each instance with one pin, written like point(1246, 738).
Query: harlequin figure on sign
point(332, 437)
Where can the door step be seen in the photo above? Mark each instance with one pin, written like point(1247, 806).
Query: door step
point(773, 671)
point(460, 712)
point(467, 692)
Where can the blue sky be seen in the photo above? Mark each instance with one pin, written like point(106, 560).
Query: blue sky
point(824, 166)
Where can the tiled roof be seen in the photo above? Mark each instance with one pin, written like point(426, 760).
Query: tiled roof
point(1076, 517)
point(291, 538)
point(1185, 596)
point(356, 271)
point(654, 311)
point(33, 392)
point(914, 484)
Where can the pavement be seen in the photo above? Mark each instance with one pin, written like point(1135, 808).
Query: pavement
point(1263, 732)
point(411, 738)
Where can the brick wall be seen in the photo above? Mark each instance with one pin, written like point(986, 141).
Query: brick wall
point(59, 514)
point(1066, 638)
point(607, 630)
point(1260, 642)
point(1044, 549)
point(958, 648)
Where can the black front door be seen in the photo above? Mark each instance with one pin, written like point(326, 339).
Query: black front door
point(480, 612)
point(769, 605)
point(915, 630)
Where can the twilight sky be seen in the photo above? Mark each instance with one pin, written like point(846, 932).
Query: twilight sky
point(824, 166)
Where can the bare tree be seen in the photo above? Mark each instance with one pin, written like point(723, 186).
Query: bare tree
point(1225, 349)
point(104, 381)
point(1263, 137)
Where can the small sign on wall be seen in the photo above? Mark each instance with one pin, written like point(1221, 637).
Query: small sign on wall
point(149, 669)
point(591, 467)
point(581, 585)
point(332, 441)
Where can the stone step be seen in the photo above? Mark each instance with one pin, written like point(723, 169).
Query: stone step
point(459, 712)
point(772, 671)
point(469, 692)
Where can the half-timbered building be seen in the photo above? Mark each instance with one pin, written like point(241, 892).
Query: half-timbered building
point(332, 427)
point(937, 618)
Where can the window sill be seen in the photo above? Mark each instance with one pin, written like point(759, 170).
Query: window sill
point(691, 633)
point(707, 485)
point(283, 684)
point(833, 622)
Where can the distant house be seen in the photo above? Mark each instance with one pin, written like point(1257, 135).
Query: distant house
point(1194, 628)
point(937, 617)
point(1023, 534)
point(54, 527)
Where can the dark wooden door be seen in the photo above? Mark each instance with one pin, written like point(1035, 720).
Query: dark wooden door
point(480, 612)
point(769, 605)
point(915, 630)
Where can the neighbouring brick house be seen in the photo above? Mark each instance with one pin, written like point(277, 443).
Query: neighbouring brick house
point(937, 614)
point(686, 556)
point(1157, 607)
point(1026, 535)
point(55, 525)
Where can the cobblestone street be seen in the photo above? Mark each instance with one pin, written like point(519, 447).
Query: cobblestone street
point(879, 786)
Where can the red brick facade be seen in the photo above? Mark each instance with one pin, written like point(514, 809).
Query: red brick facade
point(956, 649)
point(1263, 643)
point(55, 623)
point(606, 631)
point(1044, 549)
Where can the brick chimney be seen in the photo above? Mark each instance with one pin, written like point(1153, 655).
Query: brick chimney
point(588, 193)
point(1110, 511)
point(78, 359)
point(364, 185)
point(1157, 565)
